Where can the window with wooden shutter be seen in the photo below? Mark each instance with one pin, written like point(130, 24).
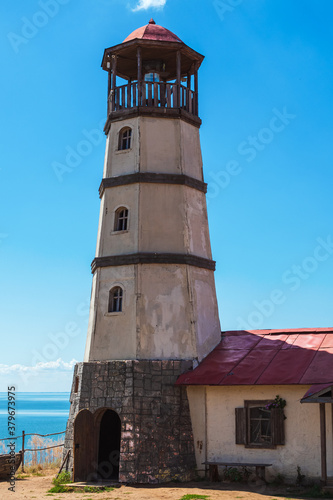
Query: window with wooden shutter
point(258, 426)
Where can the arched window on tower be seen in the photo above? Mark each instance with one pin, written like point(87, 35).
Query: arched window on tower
point(115, 300)
point(125, 136)
point(121, 219)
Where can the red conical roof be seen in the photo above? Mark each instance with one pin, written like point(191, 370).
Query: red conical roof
point(153, 31)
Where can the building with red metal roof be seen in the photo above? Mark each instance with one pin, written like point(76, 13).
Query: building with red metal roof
point(245, 399)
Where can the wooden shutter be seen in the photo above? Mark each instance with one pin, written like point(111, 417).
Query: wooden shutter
point(277, 417)
point(240, 425)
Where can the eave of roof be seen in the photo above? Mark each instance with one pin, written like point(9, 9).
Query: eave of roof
point(267, 357)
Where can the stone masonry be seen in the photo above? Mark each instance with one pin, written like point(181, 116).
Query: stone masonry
point(156, 431)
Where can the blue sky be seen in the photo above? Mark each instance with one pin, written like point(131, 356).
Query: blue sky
point(266, 104)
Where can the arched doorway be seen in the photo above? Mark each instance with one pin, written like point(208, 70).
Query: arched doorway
point(109, 445)
point(84, 445)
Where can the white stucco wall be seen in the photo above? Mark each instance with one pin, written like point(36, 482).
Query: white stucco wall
point(169, 311)
point(122, 162)
point(302, 429)
point(161, 218)
point(112, 335)
point(112, 242)
point(159, 145)
point(164, 313)
point(191, 159)
point(205, 311)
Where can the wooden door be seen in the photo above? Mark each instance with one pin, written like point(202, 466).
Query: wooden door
point(84, 446)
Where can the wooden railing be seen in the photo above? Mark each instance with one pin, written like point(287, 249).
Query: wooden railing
point(24, 450)
point(153, 94)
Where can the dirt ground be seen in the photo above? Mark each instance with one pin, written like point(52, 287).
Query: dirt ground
point(37, 487)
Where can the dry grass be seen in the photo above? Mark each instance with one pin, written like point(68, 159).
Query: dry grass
point(44, 458)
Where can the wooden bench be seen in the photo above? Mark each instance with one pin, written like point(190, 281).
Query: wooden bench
point(213, 471)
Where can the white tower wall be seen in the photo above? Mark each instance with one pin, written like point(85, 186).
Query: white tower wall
point(169, 307)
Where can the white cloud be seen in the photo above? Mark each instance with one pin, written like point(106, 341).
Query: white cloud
point(58, 365)
point(149, 4)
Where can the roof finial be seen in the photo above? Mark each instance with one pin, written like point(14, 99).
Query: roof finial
point(152, 21)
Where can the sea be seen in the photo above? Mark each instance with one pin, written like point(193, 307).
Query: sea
point(41, 413)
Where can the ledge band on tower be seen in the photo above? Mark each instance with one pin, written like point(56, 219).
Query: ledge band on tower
point(149, 177)
point(152, 258)
point(175, 113)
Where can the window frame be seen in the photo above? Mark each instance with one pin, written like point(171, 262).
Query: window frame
point(118, 218)
point(243, 422)
point(257, 404)
point(127, 141)
point(111, 298)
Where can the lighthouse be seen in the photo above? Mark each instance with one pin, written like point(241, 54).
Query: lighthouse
point(153, 310)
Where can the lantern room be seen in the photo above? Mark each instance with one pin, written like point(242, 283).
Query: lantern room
point(161, 74)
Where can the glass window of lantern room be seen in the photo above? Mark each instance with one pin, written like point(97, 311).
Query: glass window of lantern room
point(152, 77)
point(121, 219)
point(125, 136)
point(115, 300)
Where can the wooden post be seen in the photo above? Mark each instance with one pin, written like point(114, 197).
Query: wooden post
point(196, 93)
point(177, 104)
point(114, 76)
point(129, 87)
point(156, 87)
point(23, 437)
point(162, 92)
point(323, 443)
point(139, 75)
point(109, 86)
point(64, 461)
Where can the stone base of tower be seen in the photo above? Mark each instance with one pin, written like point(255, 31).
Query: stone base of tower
point(129, 422)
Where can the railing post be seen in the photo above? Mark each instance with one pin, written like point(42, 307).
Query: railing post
point(188, 92)
point(129, 100)
point(187, 104)
point(23, 438)
point(168, 94)
point(163, 93)
point(134, 94)
point(156, 86)
point(150, 93)
point(144, 93)
point(123, 97)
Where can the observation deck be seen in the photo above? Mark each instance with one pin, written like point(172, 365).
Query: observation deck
point(161, 73)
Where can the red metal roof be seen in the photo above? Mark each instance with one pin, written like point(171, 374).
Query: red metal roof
point(267, 357)
point(153, 31)
point(315, 390)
